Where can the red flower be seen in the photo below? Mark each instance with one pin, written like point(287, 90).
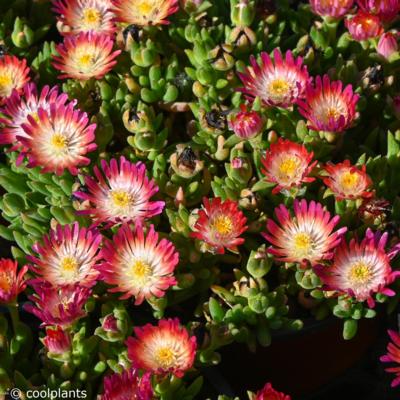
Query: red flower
point(386, 10)
point(363, 26)
point(347, 181)
point(11, 282)
point(393, 356)
point(220, 224)
point(269, 393)
point(57, 341)
point(287, 164)
point(14, 74)
point(246, 124)
point(162, 349)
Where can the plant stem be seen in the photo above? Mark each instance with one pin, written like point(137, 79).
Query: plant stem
point(13, 309)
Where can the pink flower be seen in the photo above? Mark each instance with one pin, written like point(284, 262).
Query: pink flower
point(269, 393)
point(393, 356)
point(57, 341)
point(121, 192)
point(329, 107)
point(14, 74)
point(75, 16)
point(287, 164)
point(307, 236)
point(278, 83)
point(11, 282)
point(387, 44)
point(69, 255)
point(128, 385)
point(246, 124)
point(347, 181)
point(58, 139)
point(361, 269)
point(86, 55)
point(138, 264)
point(19, 106)
point(58, 306)
point(363, 26)
point(220, 225)
point(331, 8)
point(386, 10)
point(162, 349)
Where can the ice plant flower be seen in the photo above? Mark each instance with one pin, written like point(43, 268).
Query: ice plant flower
point(361, 269)
point(19, 106)
point(246, 124)
point(393, 356)
point(269, 393)
point(86, 55)
point(327, 106)
point(307, 236)
point(386, 10)
point(121, 192)
point(346, 181)
point(280, 82)
point(57, 341)
point(138, 264)
point(128, 385)
point(58, 305)
point(363, 26)
point(84, 15)
point(331, 8)
point(162, 349)
point(58, 139)
point(12, 282)
point(287, 164)
point(14, 74)
point(69, 255)
point(220, 224)
point(387, 44)
point(144, 12)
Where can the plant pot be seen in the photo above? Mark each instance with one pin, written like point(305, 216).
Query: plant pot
point(297, 363)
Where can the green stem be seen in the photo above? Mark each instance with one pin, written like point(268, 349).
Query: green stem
point(13, 309)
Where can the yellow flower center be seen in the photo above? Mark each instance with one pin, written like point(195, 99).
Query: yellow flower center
point(69, 264)
point(85, 60)
point(165, 357)
point(121, 198)
point(348, 180)
point(360, 273)
point(223, 225)
point(5, 80)
point(145, 7)
point(91, 17)
point(279, 87)
point(59, 141)
point(289, 166)
point(140, 270)
point(302, 244)
point(5, 282)
point(332, 112)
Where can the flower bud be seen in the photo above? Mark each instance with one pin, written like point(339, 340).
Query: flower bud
point(57, 342)
point(387, 44)
point(246, 124)
point(113, 326)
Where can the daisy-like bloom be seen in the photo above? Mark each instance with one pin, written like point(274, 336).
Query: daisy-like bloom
point(393, 356)
point(280, 82)
point(269, 393)
point(84, 15)
point(361, 269)
point(328, 107)
point(68, 255)
point(138, 264)
point(287, 164)
point(127, 386)
point(57, 341)
point(122, 194)
point(58, 305)
point(18, 107)
point(162, 349)
point(86, 55)
point(347, 181)
point(307, 236)
point(144, 12)
point(11, 282)
point(14, 74)
point(363, 26)
point(387, 44)
point(386, 10)
point(58, 139)
point(220, 225)
point(246, 124)
point(331, 8)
